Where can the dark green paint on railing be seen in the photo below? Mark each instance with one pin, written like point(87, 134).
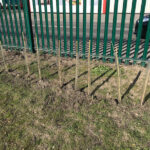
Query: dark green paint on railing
point(130, 30)
point(122, 29)
point(3, 28)
point(84, 29)
point(6, 20)
point(91, 27)
point(53, 28)
point(64, 27)
point(98, 28)
point(58, 23)
point(41, 23)
point(20, 19)
point(35, 22)
point(71, 29)
point(16, 23)
point(146, 44)
point(47, 27)
point(139, 29)
point(106, 29)
point(77, 24)
point(114, 29)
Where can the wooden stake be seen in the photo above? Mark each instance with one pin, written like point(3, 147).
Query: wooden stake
point(118, 73)
point(3, 56)
point(59, 65)
point(145, 84)
point(89, 69)
point(25, 55)
point(38, 60)
point(77, 66)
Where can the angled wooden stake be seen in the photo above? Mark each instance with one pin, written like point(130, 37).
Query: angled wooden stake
point(25, 55)
point(77, 66)
point(38, 60)
point(59, 64)
point(118, 73)
point(145, 83)
point(3, 56)
point(89, 69)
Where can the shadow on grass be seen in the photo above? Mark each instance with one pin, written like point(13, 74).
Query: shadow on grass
point(73, 79)
point(46, 67)
point(146, 98)
point(82, 89)
point(64, 70)
point(131, 85)
point(108, 78)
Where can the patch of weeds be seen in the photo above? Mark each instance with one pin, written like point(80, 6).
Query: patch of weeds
point(100, 69)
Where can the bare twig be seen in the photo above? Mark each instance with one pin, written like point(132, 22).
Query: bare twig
point(118, 73)
point(25, 55)
point(89, 69)
point(59, 65)
point(38, 60)
point(145, 83)
point(77, 66)
point(3, 56)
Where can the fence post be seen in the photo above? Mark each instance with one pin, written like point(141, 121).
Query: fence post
point(29, 24)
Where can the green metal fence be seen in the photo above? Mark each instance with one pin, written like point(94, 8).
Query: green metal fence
point(74, 30)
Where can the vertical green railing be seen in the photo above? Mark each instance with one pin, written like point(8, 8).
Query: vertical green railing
point(41, 23)
point(146, 44)
point(114, 30)
point(20, 19)
point(84, 28)
point(6, 20)
point(106, 30)
point(64, 27)
point(98, 28)
point(11, 23)
point(3, 28)
point(122, 29)
point(35, 22)
point(12, 20)
point(77, 24)
point(71, 29)
point(130, 30)
point(53, 28)
point(91, 27)
point(139, 30)
point(58, 23)
point(25, 21)
point(27, 24)
point(16, 23)
point(47, 28)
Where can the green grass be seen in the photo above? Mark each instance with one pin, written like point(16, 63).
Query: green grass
point(37, 117)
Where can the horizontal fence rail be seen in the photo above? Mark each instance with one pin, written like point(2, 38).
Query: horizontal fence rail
point(74, 25)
